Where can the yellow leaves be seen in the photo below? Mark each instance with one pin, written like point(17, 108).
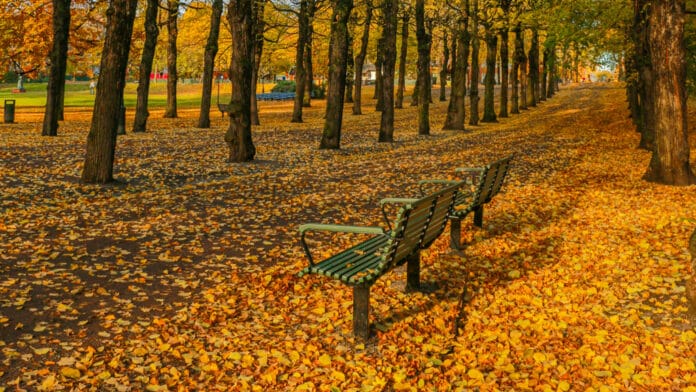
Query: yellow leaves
point(563, 386)
point(324, 360)
point(70, 372)
point(475, 374)
point(48, 384)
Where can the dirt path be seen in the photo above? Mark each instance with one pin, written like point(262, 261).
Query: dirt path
point(183, 273)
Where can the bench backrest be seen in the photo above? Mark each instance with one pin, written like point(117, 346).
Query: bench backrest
point(415, 224)
point(491, 180)
point(443, 208)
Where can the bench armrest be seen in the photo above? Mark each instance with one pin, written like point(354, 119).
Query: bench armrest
point(393, 200)
point(470, 173)
point(336, 229)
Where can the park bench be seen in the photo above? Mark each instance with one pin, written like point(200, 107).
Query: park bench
point(418, 223)
point(224, 108)
point(485, 183)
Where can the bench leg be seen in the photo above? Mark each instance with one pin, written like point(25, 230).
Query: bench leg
point(478, 217)
point(361, 312)
point(413, 272)
point(455, 233)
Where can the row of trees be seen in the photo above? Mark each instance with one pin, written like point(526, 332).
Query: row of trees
point(548, 38)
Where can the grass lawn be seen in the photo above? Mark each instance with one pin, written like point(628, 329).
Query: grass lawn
point(77, 95)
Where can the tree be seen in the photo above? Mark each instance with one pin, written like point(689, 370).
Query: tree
point(389, 11)
point(504, 57)
point(405, 17)
point(211, 49)
point(300, 58)
point(350, 61)
point(443, 69)
point(338, 51)
point(670, 160)
point(238, 136)
point(533, 59)
point(456, 109)
point(360, 59)
point(101, 141)
point(425, 41)
point(172, 74)
point(491, 39)
point(473, 89)
point(259, 27)
point(148, 56)
point(517, 60)
point(58, 58)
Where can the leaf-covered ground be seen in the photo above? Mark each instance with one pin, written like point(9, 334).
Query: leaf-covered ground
point(182, 276)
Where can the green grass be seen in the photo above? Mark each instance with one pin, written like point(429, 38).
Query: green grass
point(77, 95)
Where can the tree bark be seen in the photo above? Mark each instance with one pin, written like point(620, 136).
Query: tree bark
point(641, 25)
point(300, 70)
point(147, 57)
point(523, 70)
point(350, 61)
point(443, 69)
point(670, 160)
point(240, 17)
point(259, 26)
point(533, 58)
point(172, 76)
point(309, 66)
point(456, 109)
point(425, 41)
point(544, 74)
point(516, 62)
point(386, 128)
point(489, 80)
point(402, 60)
point(338, 51)
point(101, 141)
point(473, 88)
point(360, 61)
point(59, 58)
point(504, 72)
point(379, 66)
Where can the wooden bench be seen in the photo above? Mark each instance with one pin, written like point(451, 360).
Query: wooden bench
point(418, 223)
point(485, 184)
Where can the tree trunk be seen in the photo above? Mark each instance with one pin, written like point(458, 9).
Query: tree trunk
point(309, 66)
point(259, 26)
point(173, 76)
point(489, 80)
point(300, 70)
point(350, 61)
point(379, 66)
point(338, 51)
point(544, 74)
point(523, 70)
point(670, 160)
point(644, 86)
point(101, 141)
point(552, 73)
point(58, 58)
point(473, 88)
point(240, 17)
point(386, 128)
point(533, 56)
point(443, 69)
point(504, 72)
point(147, 57)
point(425, 41)
point(360, 61)
point(402, 60)
point(516, 62)
point(456, 109)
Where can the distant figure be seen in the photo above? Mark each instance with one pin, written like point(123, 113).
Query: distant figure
point(92, 87)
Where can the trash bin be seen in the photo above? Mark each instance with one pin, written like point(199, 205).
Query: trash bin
point(9, 111)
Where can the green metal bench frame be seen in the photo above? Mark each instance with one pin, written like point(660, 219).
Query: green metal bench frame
point(485, 182)
point(418, 223)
